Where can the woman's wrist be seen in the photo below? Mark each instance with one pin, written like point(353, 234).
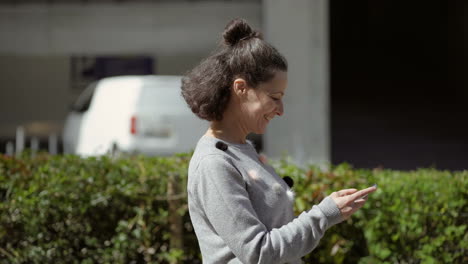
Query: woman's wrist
point(331, 211)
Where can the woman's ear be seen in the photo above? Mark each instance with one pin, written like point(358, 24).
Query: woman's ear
point(239, 87)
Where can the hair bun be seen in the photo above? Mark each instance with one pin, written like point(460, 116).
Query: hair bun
point(236, 30)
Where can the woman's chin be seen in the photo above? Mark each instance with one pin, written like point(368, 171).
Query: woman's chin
point(259, 129)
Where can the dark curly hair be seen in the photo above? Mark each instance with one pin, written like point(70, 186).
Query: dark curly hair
point(243, 53)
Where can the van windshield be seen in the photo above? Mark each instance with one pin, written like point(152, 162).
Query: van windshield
point(166, 99)
point(83, 101)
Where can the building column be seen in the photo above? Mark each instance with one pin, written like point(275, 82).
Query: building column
point(299, 30)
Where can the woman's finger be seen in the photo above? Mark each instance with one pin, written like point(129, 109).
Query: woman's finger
point(347, 210)
point(346, 192)
point(361, 193)
point(359, 203)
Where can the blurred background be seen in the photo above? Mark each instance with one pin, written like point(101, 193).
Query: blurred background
point(371, 83)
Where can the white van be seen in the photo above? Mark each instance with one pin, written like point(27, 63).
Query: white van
point(133, 114)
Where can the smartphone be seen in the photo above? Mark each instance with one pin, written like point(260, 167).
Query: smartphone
point(365, 196)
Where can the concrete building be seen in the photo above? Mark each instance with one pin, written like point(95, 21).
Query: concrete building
point(342, 61)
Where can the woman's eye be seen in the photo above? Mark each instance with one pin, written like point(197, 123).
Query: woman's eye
point(274, 98)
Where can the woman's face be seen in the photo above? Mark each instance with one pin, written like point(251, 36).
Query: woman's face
point(263, 103)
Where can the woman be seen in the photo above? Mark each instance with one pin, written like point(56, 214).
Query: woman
point(241, 210)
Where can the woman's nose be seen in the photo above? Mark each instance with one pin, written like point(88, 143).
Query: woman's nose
point(280, 109)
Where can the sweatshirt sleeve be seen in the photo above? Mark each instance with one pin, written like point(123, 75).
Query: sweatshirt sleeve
point(221, 193)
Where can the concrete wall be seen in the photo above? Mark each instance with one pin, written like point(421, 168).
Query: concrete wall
point(33, 89)
point(299, 29)
point(161, 28)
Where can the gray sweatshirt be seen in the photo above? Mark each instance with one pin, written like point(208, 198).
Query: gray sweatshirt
point(242, 211)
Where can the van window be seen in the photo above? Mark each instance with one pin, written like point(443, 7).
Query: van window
point(163, 98)
point(84, 100)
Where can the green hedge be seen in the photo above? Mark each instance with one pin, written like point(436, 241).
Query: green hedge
point(65, 209)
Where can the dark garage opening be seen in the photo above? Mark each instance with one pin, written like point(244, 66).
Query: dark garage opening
point(398, 93)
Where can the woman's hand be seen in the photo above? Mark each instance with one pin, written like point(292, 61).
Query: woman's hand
point(350, 200)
